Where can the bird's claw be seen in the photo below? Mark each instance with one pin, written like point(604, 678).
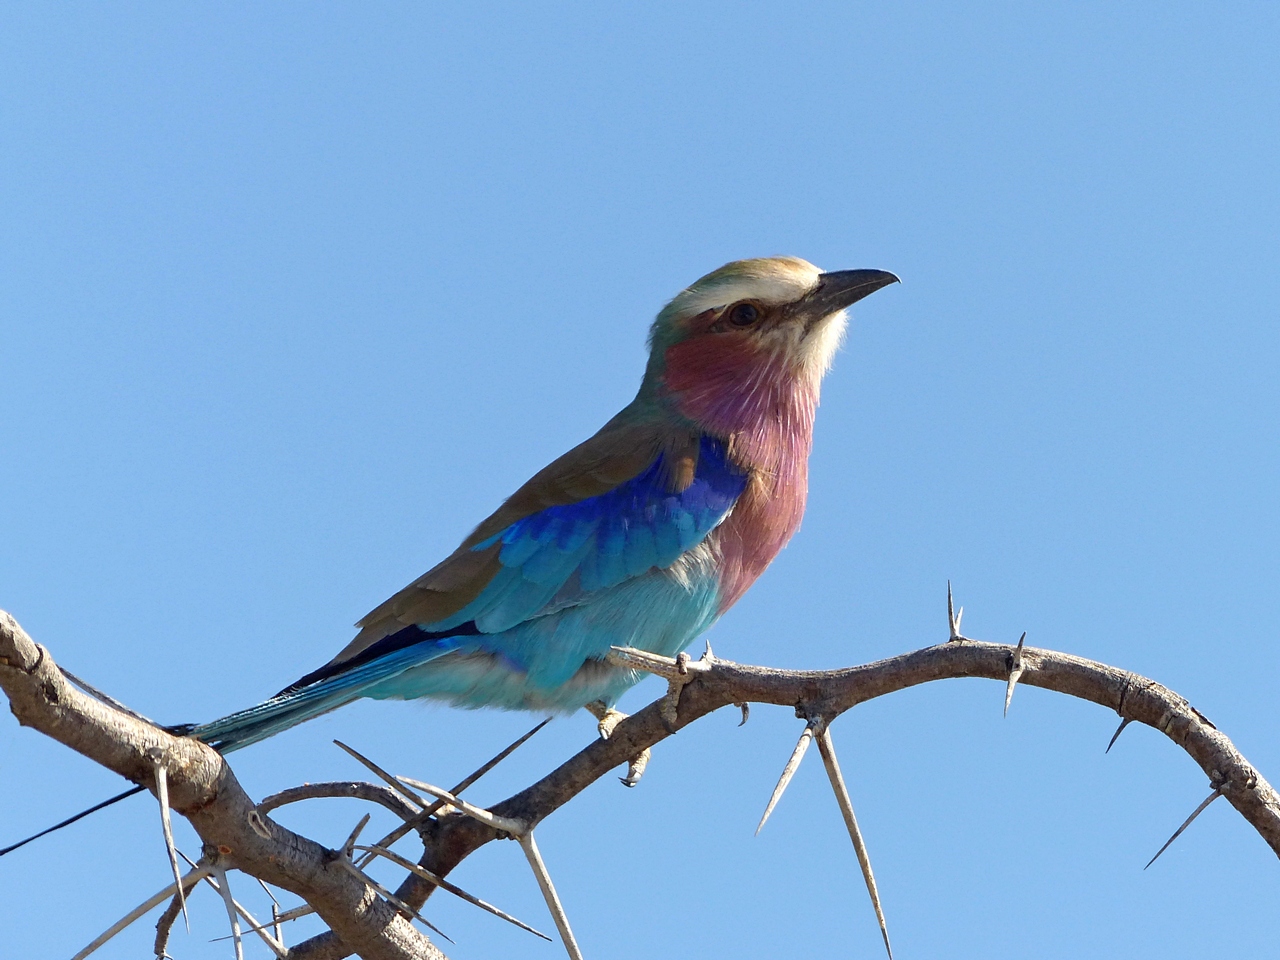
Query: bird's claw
point(607, 720)
point(635, 768)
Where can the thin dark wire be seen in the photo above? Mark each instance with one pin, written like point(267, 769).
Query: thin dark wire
point(70, 820)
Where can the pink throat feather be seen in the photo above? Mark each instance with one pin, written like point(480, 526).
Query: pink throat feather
point(765, 409)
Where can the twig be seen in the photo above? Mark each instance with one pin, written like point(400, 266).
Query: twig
point(351, 840)
point(523, 832)
point(164, 927)
point(353, 789)
point(276, 927)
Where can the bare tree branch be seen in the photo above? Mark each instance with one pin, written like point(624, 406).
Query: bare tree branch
point(203, 789)
point(828, 693)
point(351, 789)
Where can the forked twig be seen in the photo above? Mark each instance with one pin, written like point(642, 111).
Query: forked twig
point(276, 929)
point(828, 750)
point(351, 840)
point(789, 771)
point(523, 832)
point(463, 784)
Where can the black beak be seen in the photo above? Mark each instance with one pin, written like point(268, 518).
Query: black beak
point(840, 289)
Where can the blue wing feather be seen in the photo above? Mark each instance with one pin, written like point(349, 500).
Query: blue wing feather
point(603, 540)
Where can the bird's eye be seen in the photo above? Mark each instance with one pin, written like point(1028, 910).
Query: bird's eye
point(743, 314)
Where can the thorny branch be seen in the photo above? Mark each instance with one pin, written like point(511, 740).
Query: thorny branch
point(202, 787)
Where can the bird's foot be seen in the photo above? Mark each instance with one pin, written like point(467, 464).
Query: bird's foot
point(607, 719)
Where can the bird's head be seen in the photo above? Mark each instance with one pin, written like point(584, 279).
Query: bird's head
point(766, 326)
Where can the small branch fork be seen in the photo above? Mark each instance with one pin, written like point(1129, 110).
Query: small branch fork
point(201, 787)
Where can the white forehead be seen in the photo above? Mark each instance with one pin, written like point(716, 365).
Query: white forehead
point(770, 280)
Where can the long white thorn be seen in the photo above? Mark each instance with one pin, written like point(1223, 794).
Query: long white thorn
point(351, 840)
point(166, 825)
point(142, 909)
point(383, 775)
point(507, 825)
point(789, 771)
point(445, 885)
point(405, 910)
point(531, 852)
point(276, 943)
point(224, 888)
point(1217, 792)
point(828, 750)
point(275, 913)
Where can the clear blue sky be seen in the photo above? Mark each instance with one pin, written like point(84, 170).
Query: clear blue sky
point(294, 294)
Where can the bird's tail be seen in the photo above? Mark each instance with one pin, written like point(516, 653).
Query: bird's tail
point(295, 705)
point(341, 684)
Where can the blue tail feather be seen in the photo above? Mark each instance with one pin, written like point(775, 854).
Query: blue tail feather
point(291, 707)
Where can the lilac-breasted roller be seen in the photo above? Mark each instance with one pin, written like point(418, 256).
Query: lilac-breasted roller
point(641, 536)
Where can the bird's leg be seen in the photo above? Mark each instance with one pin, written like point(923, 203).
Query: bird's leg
point(607, 719)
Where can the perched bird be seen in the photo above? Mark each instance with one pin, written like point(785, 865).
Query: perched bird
point(641, 536)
